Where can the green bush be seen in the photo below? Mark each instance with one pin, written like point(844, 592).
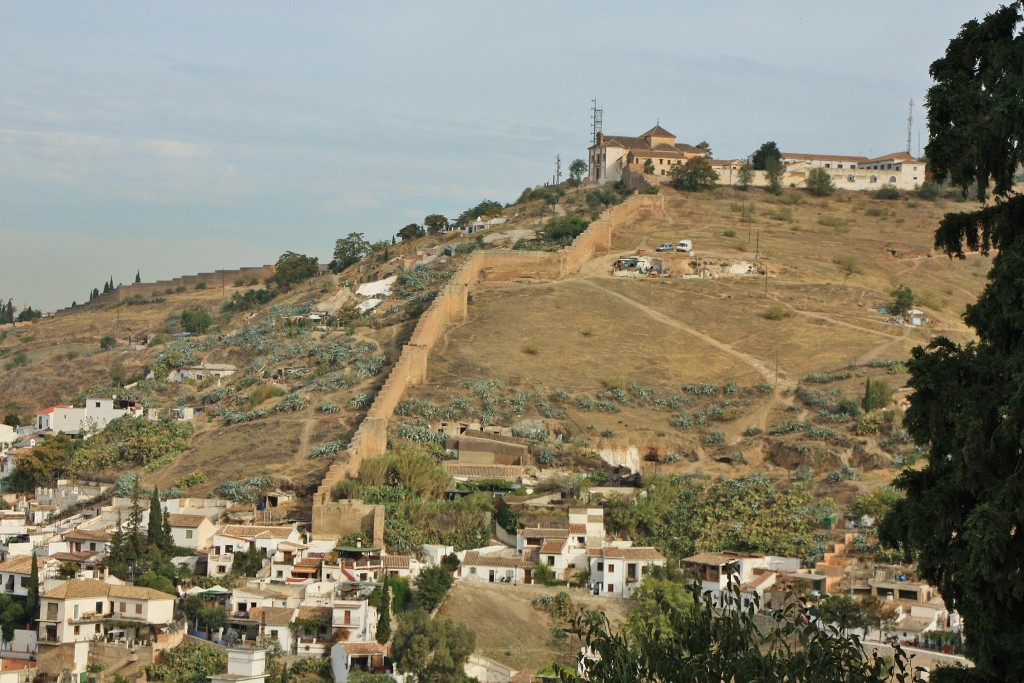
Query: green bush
point(887, 192)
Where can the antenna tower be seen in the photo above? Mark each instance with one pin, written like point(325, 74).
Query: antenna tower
point(558, 168)
point(910, 123)
point(596, 116)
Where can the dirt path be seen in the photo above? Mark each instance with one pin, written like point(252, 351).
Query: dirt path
point(766, 369)
point(307, 431)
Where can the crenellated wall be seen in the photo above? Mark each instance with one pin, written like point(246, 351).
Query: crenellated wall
point(214, 280)
point(332, 519)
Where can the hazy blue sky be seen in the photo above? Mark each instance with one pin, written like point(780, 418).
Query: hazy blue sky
point(185, 136)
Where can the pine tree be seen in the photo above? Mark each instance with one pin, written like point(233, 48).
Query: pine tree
point(32, 602)
point(384, 622)
point(138, 276)
point(111, 283)
point(155, 529)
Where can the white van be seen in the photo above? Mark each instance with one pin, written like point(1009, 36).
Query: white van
point(685, 246)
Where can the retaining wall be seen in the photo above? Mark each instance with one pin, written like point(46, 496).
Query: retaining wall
point(332, 519)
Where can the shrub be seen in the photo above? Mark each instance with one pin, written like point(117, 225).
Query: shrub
point(729, 233)
point(776, 312)
point(887, 192)
point(929, 191)
point(531, 348)
point(201, 285)
point(108, 342)
point(783, 214)
point(836, 222)
point(819, 182)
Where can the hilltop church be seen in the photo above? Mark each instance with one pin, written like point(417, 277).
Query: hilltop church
point(613, 154)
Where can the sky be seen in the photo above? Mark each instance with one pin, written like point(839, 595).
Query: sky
point(175, 138)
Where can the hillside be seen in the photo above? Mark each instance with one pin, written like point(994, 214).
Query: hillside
point(675, 371)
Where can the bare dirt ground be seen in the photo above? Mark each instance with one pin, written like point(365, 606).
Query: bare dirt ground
point(510, 630)
point(593, 331)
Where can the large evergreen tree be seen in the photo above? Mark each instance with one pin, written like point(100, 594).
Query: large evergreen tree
point(156, 517)
point(383, 633)
point(32, 602)
point(963, 515)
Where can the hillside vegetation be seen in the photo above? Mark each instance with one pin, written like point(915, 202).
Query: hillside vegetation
point(734, 372)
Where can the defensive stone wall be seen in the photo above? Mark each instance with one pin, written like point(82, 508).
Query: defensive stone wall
point(217, 278)
point(332, 519)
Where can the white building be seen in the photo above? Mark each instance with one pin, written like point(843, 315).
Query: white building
point(191, 531)
point(201, 371)
point(83, 609)
point(755, 573)
point(94, 416)
point(617, 572)
point(235, 538)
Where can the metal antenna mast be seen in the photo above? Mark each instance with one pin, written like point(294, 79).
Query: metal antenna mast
point(558, 168)
point(910, 123)
point(596, 116)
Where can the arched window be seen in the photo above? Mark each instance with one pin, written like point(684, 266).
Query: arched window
point(892, 180)
point(850, 178)
point(874, 179)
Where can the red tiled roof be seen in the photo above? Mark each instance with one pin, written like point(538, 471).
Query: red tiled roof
point(363, 649)
point(47, 411)
point(185, 521)
point(631, 553)
point(552, 547)
point(396, 561)
point(822, 157)
point(88, 535)
point(474, 558)
point(540, 532)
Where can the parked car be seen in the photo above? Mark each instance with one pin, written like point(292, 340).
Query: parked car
point(685, 246)
point(667, 246)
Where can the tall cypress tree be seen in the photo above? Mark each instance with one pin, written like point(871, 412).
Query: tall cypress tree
point(167, 538)
point(32, 602)
point(133, 544)
point(383, 633)
point(156, 517)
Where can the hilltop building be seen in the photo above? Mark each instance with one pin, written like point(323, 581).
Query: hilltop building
point(612, 155)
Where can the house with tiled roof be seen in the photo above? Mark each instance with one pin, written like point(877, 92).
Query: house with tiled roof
point(16, 570)
point(496, 566)
point(612, 155)
point(755, 573)
point(617, 571)
point(88, 541)
point(368, 656)
point(235, 538)
point(87, 609)
point(191, 531)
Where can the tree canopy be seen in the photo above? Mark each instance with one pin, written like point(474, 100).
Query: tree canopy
point(962, 516)
point(768, 150)
point(196, 320)
point(673, 639)
point(819, 182)
point(294, 268)
point(432, 650)
point(411, 232)
point(577, 169)
point(435, 223)
point(349, 250)
point(695, 175)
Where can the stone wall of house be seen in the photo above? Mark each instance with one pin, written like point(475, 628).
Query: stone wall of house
point(450, 305)
point(339, 518)
point(214, 280)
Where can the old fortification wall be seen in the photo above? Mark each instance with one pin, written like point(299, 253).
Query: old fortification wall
point(332, 519)
point(212, 280)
